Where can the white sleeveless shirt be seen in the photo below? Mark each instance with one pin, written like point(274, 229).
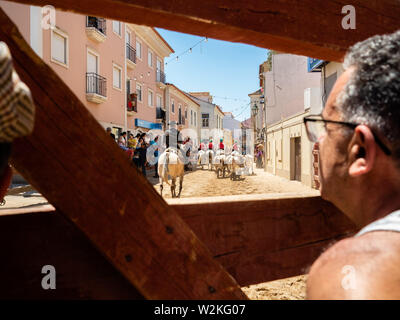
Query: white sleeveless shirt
point(391, 222)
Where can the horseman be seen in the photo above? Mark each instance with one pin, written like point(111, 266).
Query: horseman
point(221, 144)
point(202, 146)
point(235, 147)
point(210, 145)
point(173, 137)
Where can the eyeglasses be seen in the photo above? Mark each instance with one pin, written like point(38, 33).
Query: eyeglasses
point(316, 127)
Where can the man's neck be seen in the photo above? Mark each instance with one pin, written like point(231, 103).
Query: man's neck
point(372, 207)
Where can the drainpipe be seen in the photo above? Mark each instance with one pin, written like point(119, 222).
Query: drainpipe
point(126, 89)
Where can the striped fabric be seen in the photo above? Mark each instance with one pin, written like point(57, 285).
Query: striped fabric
point(17, 111)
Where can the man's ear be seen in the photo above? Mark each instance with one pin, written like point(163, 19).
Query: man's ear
point(362, 151)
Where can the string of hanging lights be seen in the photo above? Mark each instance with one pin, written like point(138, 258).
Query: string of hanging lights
point(190, 50)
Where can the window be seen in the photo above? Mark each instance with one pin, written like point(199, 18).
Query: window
point(173, 106)
point(195, 119)
point(117, 77)
point(150, 59)
point(205, 117)
point(150, 98)
point(117, 27)
point(159, 101)
point(92, 61)
point(139, 91)
point(138, 49)
point(185, 113)
point(191, 117)
point(59, 47)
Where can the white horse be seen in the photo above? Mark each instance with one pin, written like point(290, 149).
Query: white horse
point(220, 163)
point(171, 163)
point(210, 158)
point(201, 158)
point(249, 164)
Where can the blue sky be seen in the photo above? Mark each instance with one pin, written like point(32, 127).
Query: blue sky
point(224, 69)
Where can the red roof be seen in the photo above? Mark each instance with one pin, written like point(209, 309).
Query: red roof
point(246, 123)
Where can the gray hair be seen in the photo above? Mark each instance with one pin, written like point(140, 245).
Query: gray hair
point(372, 94)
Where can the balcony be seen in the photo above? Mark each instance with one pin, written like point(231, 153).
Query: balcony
point(96, 88)
point(130, 56)
point(96, 28)
point(161, 78)
point(131, 104)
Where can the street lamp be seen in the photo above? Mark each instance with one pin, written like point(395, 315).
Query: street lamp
point(254, 110)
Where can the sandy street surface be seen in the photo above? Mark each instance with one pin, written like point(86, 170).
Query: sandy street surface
point(204, 183)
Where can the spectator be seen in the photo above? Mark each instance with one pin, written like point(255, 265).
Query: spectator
point(112, 135)
point(132, 142)
point(122, 145)
point(154, 143)
point(358, 134)
point(142, 150)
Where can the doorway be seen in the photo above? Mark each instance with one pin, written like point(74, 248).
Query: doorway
point(295, 159)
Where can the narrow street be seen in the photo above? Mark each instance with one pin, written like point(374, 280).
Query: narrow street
point(204, 183)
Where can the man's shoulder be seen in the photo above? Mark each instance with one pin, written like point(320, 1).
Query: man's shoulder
point(372, 259)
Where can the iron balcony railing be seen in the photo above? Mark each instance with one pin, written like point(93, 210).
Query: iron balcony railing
point(98, 23)
point(160, 76)
point(130, 53)
point(96, 84)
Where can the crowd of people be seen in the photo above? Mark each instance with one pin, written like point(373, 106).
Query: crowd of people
point(136, 147)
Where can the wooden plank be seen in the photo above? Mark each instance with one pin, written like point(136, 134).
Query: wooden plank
point(307, 27)
point(18, 190)
point(256, 240)
point(31, 241)
point(83, 173)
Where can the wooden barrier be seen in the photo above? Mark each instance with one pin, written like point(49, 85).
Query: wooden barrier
point(80, 170)
point(256, 240)
point(308, 27)
point(70, 158)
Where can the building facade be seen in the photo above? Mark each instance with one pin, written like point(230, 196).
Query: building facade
point(211, 117)
point(291, 92)
point(257, 115)
point(115, 69)
point(184, 111)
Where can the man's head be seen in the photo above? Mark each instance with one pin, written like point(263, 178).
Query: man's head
point(354, 164)
point(108, 130)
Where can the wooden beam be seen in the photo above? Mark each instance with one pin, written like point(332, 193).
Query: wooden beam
point(30, 241)
point(83, 173)
point(307, 27)
point(257, 239)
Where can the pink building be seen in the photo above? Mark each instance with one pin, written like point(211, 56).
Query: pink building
point(184, 111)
point(115, 69)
